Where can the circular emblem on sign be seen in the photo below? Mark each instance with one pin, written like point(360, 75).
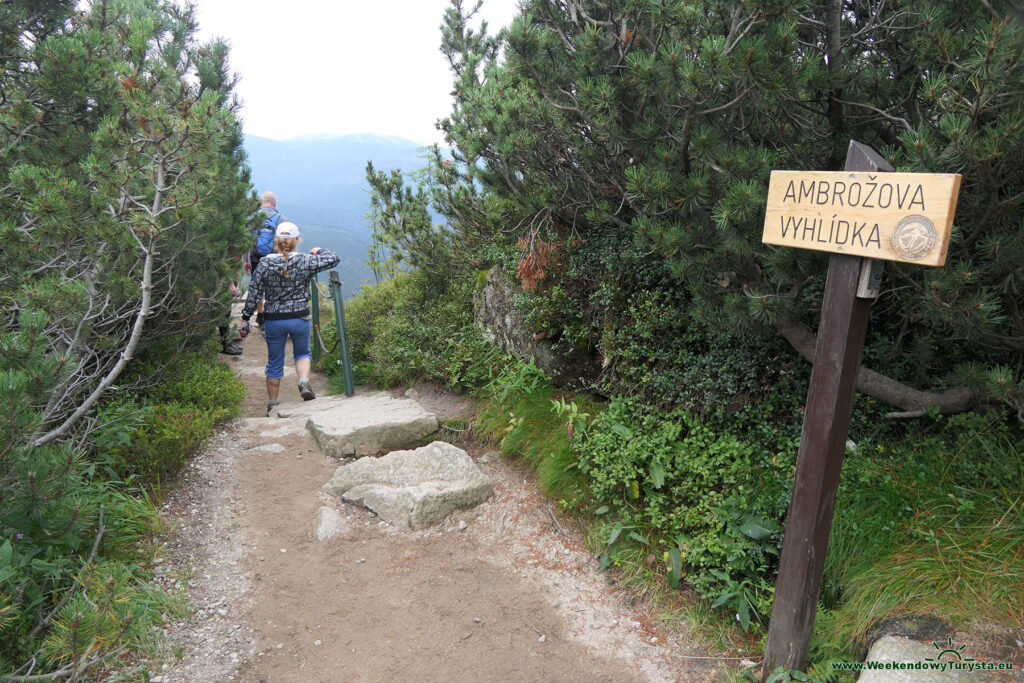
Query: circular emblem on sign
point(914, 237)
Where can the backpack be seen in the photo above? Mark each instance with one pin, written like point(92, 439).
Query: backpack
point(264, 239)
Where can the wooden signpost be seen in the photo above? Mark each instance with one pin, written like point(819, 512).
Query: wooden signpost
point(862, 211)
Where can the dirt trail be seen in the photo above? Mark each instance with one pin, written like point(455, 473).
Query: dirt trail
point(499, 593)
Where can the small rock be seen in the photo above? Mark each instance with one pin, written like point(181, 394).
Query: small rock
point(316, 642)
point(284, 550)
point(222, 612)
point(279, 646)
point(541, 639)
point(329, 523)
point(476, 619)
point(747, 664)
point(156, 679)
point(462, 525)
point(361, 560)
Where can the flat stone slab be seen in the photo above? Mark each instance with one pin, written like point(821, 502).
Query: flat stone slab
point(413, 489)
point(306, 408)
point(365, 425)
point(914, 657)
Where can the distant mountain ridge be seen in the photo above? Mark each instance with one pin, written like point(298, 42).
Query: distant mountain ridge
point(320, 183)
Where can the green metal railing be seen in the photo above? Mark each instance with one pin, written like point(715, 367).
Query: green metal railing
point(319, 348)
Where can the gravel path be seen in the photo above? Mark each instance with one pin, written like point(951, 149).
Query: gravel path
point(502, 592)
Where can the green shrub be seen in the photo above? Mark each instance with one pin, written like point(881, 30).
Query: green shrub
point(660, 483)
point(415, 326)
point(197, 380)
point(365, 311)
point(655, 351)
point(709, 503)
point(162, 447)
point(152, 437)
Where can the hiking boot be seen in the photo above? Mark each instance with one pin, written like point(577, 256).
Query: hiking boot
point(271, 404)
point(231, 350)
point(306, 391)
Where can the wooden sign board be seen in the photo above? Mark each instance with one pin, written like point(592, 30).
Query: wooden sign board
point(891, 216)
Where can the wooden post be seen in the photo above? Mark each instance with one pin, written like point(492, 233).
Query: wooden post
point(844, 319)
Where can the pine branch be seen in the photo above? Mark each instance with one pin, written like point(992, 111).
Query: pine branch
point(67, 596)
point(910, 400)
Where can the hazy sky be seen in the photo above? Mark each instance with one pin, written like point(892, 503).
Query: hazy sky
point(340, 66)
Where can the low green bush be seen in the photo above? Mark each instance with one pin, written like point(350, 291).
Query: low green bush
point(656, 351)
point(415, 326)
point(163, 446)
point(151, 437)
point(199, 381)
point(708, 504)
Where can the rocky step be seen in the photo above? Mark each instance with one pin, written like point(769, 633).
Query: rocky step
point(413, 488)
point(368, 424)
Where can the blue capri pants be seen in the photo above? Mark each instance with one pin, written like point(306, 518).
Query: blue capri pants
point(277, 333)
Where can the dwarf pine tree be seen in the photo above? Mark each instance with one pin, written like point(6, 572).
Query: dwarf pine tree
point(54, 519)
point(123, 190)
point(123, 202)
point(635, 140)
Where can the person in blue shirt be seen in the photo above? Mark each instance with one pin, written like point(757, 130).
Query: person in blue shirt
point(268, 207)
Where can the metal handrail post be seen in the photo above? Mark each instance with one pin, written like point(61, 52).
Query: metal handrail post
point(315, 301)
point(339, 314)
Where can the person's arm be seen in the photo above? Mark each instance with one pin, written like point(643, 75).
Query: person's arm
point(255, 292)
point(322, 259)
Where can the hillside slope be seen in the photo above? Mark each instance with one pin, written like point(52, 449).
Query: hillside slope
point(320, 184)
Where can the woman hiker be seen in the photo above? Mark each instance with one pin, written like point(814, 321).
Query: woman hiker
point(282, 277)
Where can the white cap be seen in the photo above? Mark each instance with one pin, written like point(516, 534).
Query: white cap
point(287, 231)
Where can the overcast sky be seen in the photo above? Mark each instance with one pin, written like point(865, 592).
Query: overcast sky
point(340, 66)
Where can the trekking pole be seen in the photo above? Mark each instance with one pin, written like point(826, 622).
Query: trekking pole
point(315, 299)
point(339, 314)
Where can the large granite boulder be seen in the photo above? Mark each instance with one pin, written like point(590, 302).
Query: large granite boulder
point(494, 311)
point(414, 488)
point(365, 425)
